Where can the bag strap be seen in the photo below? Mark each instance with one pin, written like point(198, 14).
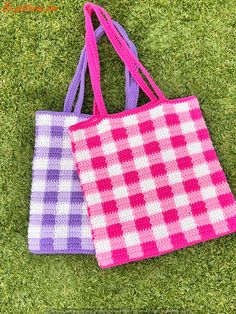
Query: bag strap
point(131, 62)
point(131, 87)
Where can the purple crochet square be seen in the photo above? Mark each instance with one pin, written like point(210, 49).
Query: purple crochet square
point(58, 221)
point(53, 175)
point(76, 197)
point(49, 220)
point(75, 220)
point(47, 243)
point(55, 153)
point(50, 197)
point(57, 131)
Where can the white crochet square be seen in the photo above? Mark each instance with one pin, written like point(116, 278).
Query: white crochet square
point(115, 170)
point(153, 208)
point(162, 133)
point(38, 185)
point(147, 185)
point(126, 215)
point(67, 164)
point(109, 148)
point(103, 126)
point(70, 120)
point(188, 127)
point(98, 221)
point(86, 232)
point(65, 186)
point(156, 112)
point(82, 155)
point(141, 162)
point(181, 200)
point(87, 176)
point(194, 148)
point(78, 135)
point(66, 143)
point(187, 223)
point(102, 246)
point(130, 120)
point(175, 177)
point(43, 141)
point(40, 163)
point(216, 215)
point(131, 239)
point(62, 208)
point(60, 231)
point(34, 232)
point(84, 209)
point(160, 232)
point(201, 170)
point(93, 199)
point(168, 155)
point(208, 192)
point(120, 192)
point(181, 106)
point(36, 208)
point(135, 141)
point(44, 119)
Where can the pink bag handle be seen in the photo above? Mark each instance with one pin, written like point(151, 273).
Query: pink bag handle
point(77, 85)
point(131, 62)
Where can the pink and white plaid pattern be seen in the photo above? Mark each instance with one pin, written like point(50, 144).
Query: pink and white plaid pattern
point(152, 181)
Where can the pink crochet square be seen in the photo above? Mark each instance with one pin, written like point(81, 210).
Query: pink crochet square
point(152, 181)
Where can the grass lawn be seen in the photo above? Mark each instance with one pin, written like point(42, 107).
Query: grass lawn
point(189, 48)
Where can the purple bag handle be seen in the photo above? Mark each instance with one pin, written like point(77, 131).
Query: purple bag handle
point(131, 87)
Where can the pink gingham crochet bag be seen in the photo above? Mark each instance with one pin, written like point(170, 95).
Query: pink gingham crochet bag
point(150, 176)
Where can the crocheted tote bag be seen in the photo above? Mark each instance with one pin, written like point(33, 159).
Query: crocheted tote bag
point(150, 176)
point(58, 221)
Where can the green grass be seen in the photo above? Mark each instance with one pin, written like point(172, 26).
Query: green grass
point(189, 48)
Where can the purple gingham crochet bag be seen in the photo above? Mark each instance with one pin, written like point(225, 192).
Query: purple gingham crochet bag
point(58, 221)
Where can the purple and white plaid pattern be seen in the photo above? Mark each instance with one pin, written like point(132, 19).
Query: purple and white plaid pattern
point(58, 218)
point(58, 221)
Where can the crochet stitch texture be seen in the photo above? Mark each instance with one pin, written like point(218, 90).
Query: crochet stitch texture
point(152, 181)
point(58, 220)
